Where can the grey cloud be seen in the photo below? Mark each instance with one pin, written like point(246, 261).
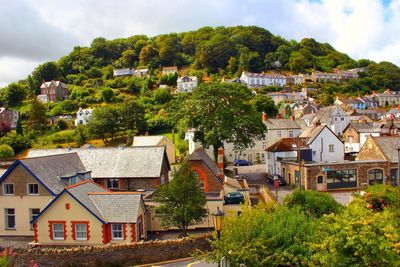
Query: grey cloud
point(25, 35)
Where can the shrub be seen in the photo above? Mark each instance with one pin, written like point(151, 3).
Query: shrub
point(6, 151)
point(313, 203)
point(62, 124)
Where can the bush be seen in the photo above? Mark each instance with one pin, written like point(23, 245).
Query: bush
point(17, 142)
point(62, 124)
point(6, 151)
point(313, 203)
point(107, 94)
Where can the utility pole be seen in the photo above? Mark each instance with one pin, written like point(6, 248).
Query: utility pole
point(298, 160)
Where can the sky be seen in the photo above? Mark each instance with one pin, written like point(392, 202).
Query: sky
point(36, 31)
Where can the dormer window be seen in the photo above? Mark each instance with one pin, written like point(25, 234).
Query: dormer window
point(33, 189)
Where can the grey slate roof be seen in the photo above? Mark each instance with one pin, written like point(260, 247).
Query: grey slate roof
point(312, 132)
point(111, 207)
point(129, 162)
point(49, 169)
point(80, 192)
point(273, 124)
point(117, 208)
point(389, 145)
point(324, 114)
point(200, 154)
point(367, 127)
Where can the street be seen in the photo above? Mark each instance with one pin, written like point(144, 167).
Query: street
point(189, 262)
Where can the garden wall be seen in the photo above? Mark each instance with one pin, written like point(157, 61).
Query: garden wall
point(114, 255)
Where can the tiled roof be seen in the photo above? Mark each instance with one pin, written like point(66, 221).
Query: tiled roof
point(273, 124)
point(49, 169)
point(265, 75)
point(324, 114)
point(367, 127)
point(312, 132)
point(286, 144)
point(56, 83)
point(80, 192)
point(388, 145)
point(111, 207)
point(129, 162)
point(200, 154)
point(117, 208)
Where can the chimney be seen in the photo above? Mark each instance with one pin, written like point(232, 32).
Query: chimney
point(292, 118)
point(398, 107)
point(221, 163)
point(264, 117)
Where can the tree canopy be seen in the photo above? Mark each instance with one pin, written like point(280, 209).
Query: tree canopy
point(182, 201)
point(223, 112)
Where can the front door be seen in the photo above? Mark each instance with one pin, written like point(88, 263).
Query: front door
point(297, 176)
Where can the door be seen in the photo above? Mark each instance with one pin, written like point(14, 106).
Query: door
point(297, 177)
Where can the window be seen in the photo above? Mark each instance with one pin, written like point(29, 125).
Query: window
point(320, 179)
point(278, 133)
point(33, 213)
point(342, 118)
point(290, 133)
point(350, 139)
point(58, 231)
point(331, 148)
point(33, 189)
point(116, 230)
point(8, 189)
point(335, 119)
point(264, 144)
point(375, 176)
point(201, 184)
point(112, 183)
point(341, 179)
point(81, 231)
point(10, 218)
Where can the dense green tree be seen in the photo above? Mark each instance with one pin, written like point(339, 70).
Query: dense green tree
point(358, 237)
point(105, 123)
point(45, 72)
point(107, 94)
point(37, 119)
point(265, 104)
point(6, 151)
point(62, 124)
point(254, 62)
point(129, 58)
point(148, 54)
point(135, 85)
point(13, 94)
point(313, 203)
point(162, 96)
point(215, 53)
point(169, 46)
point(132, 117)
point(223, 112)
point(274, 237)
point(328, 100)
point(18, 128)
point(81, 135)
point(182, 202)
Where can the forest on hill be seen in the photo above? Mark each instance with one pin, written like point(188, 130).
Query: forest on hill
point(208, 53)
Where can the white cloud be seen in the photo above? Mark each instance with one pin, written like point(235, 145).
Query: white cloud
point(41, 30)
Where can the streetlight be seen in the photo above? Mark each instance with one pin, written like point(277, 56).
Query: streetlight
point(398, 167)
point(218, 217)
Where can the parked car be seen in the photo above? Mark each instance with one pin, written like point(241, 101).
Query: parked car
point(241, 162)
point(270, 179)
point(280, 178)
point(234, 198)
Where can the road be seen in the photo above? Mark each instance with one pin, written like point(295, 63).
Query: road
point(182, 263)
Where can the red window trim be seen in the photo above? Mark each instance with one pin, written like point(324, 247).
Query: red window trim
point(125, 232)
point(51, 228)
point(73, 223)
point(202, 176)
point(133, 232)
point(35, 232)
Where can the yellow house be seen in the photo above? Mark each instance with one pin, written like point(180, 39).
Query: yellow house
point(89, 214)
point(157, 140)
point(30, 184)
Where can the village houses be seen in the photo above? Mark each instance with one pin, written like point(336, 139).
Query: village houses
point(83, 116)
point(8, 119)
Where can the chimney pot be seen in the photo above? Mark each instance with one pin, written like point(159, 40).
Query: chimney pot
point(264, 117)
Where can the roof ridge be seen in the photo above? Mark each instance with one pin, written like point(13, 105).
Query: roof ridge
point(80, 183)
point(53, 155)
point(115, 193)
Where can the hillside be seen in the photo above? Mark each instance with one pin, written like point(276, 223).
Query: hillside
point(208, 53)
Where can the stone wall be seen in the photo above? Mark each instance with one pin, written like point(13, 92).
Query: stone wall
point(114, 255)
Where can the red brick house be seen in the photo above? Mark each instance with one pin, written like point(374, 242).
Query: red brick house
point(53, 91)
point(207, 172)
point(8, 119)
